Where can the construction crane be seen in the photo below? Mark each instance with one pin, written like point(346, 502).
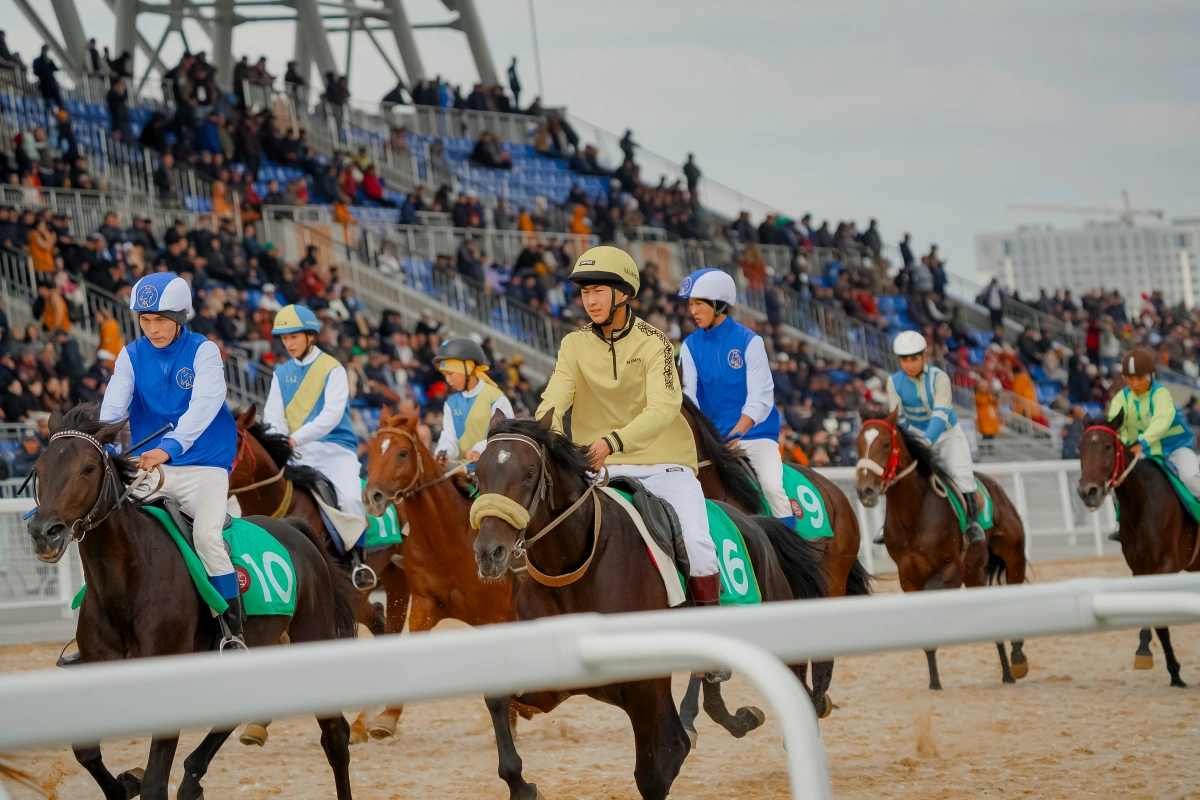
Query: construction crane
point(1125, 214)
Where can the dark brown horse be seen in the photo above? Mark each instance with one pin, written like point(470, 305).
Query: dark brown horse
point(1157, 536)
point(727, 477)
point(262, 486)
point(921, 530)
point(595, 561)
point(141, 600)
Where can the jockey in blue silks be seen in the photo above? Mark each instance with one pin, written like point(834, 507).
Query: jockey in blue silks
point(173, 376)
point(309, 402)
point(726, 373)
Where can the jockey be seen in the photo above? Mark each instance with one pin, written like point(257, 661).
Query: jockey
point(174, 376)
point(1153, 424)
point(309, 403)
point(619, 376)
point(725, 373)
point(476, 398)
point(922, 394)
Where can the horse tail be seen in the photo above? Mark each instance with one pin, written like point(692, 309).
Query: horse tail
point(859, 581)
point(345, 596)
point(996, 569)
point(734, 471)
point(800, 561)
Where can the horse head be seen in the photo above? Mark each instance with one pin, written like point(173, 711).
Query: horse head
point(394, 463)
point(512, 479)
point(1102, 460)
point(879, 449)
point(250, 452)
point(78, 481)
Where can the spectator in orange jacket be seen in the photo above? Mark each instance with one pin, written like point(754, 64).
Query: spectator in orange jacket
point(110, 338)
point(987, 410)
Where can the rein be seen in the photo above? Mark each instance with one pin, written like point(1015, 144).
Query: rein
point(110, 487)
point(891, 472)
point(1118, 474)
point(544, 488)
point(415, 486)
point(246, 449)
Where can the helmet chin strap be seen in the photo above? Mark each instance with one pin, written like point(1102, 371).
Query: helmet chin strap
point(612, 311)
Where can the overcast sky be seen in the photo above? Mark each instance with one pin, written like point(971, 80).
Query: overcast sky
point(930, 116)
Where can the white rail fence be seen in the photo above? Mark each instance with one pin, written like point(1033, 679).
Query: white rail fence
point(163, 695)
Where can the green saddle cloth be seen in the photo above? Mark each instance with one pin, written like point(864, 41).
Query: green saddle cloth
point(1190, 504)
point(383, 531)
point(808, 506)
point(264, 568)
point(985, 514)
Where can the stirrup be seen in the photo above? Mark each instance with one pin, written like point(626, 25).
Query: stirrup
point(229, 640)
point(71, 660)
point(363, 577)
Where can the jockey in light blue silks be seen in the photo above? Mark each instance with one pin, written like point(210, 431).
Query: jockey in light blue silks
point(468, 412)
point(924, 396)
point(726, 373)
point(309, 402)
point(173, 376)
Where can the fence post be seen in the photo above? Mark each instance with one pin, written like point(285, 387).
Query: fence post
point(1068, 511)
point(65, 595)
point(1097, 534)
point(1023, 511)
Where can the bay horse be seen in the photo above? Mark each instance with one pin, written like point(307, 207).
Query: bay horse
point(728, 477)
point(1157, 535)
point(921, 531)
point(141, 600)
point(596, 561)
point(265, 482)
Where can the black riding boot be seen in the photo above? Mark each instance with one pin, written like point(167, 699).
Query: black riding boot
point(974, 531)
point(232, 638)
point(69, 660)
point(362, 576)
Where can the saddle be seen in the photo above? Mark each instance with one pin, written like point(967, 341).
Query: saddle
point(660, 520)
point(182, 520)
point(315, 481)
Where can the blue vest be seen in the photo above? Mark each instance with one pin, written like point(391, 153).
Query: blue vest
point(720, 358)
point(162, 391)
point(291, 377)
point(918, 413)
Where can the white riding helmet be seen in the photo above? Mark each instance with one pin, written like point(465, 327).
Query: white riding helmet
point(711, 284)
point(908, 343)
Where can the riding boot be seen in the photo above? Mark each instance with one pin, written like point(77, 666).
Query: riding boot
point(232, 638)
point(974, 531)
point(705, 589)
point(1115, 536)
point(362, 576)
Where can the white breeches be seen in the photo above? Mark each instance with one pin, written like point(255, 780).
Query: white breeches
point(764, 457)
point(1185, 461)
point(678, 486)
point(953, 453)
point(198, 491)
point(340, 465)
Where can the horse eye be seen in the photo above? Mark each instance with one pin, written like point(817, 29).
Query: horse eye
point(530, 474)
point(402, 454)
point(89, 469)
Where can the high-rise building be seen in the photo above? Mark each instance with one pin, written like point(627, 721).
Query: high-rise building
point(1135, 260)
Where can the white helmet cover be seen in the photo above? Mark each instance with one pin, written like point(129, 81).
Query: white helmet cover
point(710, 284)
point(161, 291)
point(908, 343)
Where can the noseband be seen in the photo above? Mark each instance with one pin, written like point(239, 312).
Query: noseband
point(891, 472)
point(415, 486)
point(1120, 471)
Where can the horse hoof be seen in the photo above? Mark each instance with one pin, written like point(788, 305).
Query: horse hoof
point(828, 708)
point(384, 728)
point(758, 714)
point(693, 737)
point(1143, 662)
point(358, 732)
point(935, 686)
point(1177, 682)
point(253, 734)
point(1020, 670)
point(131, 781)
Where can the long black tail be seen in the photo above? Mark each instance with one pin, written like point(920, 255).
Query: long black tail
point(735, 472)
point(345, 596)
point(801, 562)
point(996, 569)
point(859, 581)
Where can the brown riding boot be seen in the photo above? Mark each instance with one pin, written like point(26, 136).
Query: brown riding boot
point(705, 589)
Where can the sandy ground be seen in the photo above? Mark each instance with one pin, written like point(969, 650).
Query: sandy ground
point(1084, 723)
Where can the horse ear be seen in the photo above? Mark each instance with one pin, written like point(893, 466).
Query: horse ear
point(547, 420)
point(409, 423)
point(1116, 422)
point(893, 417)
point(246, 418)
point(55, 422)
point(107, 434)
point(497, 418)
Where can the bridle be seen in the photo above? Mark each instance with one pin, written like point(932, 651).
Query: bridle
point(415, 486)
point(544, 490)
point(891, 472)
point(246, 450)
point(111, 487)
point(1120, 471)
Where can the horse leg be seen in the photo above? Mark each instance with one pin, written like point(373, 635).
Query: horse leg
point(745, 720)
point(660, 742)
point(1020, 665)
point(158, 768)
point(1143, 658)
point(335, 741)
point(1164, 638)
point(948, 577)
point(506, 749)
point(423, 615)
point(195, 766)
point(1005, 673)
point(690, 708)
point(822, 676)
point(935, 682)
point(123, 788)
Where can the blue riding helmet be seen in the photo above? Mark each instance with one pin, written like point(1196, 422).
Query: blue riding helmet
point(293, 319)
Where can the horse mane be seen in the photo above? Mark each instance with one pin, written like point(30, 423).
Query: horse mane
point(277, 445)
point(735, 472)
point(85, 418)
point(562, 451)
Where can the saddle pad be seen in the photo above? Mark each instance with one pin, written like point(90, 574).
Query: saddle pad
point(985, 514)
point(1190, 504)
point(672, 580)
point(264, 568)
point(739, 585)
point(383, 531)
point(808, 506)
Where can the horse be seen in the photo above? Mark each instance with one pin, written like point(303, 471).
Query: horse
point(921, 530)
point(726, 476)
point(1157, 536)
point(263, 487)
point(596, 561)
point(141, 601)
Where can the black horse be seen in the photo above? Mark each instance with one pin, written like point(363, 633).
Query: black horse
point(141, 600)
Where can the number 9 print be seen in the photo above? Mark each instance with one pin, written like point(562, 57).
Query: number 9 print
point(812, 504)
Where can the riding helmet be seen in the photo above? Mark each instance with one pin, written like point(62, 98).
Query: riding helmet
point(461, 349)
point(712, 285)
point(1138, 362)
point(909, 343)
point(162, 293)
point(607, 266)
point(293, 319)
